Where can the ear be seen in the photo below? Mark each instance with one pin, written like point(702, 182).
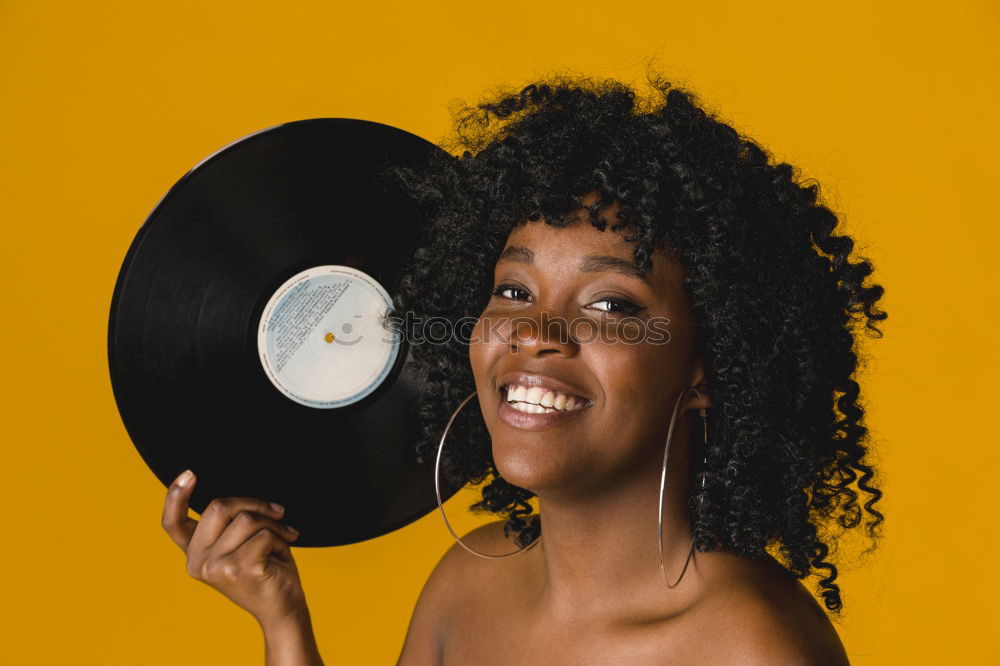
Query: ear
point(700, 382)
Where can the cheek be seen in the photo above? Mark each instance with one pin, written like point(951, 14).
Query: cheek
point(637, 381)
point(477, 351)
point(624, 369)
point(484, 348)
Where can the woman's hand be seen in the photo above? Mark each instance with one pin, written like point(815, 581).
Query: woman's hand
point(240, 549)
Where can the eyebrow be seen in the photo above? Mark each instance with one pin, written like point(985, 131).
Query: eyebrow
point(595, 263)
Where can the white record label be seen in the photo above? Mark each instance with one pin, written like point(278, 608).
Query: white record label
point(321, 338)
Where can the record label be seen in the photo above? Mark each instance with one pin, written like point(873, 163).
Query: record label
point(321, 337)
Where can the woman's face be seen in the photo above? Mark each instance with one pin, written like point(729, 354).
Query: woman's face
point(568, 316)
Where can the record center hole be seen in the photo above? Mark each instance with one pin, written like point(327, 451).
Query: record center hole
point(328, 337)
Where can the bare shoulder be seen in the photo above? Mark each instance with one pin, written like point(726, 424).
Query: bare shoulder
point(768, 616)
point(448, 588)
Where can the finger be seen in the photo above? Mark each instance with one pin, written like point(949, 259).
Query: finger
point(220, 512)
point(283, 554)
point(257, 550)
point(245, 525)
point(175, 509)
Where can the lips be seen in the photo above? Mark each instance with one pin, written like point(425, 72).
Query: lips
point(525, 421)
point(539, 400)
point(544, 382)
point(547, 417)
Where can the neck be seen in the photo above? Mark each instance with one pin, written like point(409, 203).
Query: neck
point(598, 549)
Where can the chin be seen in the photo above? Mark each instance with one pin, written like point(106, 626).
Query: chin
point(526, 467)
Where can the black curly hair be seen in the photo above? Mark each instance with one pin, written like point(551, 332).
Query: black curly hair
point(777, 300)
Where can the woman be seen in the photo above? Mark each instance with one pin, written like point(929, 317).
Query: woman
point(663, 341)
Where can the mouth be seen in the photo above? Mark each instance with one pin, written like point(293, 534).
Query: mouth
point(536, 407)
point(541, 400)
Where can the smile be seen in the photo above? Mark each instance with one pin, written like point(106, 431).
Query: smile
point(536, 408)
point(537, 400)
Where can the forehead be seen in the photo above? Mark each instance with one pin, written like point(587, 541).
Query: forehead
point(582, 250)
point(579, 239)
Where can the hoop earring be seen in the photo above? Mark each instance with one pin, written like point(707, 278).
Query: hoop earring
point(663, 480)
point(437, 490)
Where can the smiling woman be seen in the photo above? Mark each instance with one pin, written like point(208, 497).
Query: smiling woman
point(643, 280)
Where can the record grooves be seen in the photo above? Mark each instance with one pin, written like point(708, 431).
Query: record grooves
point(305, 406)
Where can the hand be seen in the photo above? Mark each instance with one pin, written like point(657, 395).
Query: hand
point(240, 549)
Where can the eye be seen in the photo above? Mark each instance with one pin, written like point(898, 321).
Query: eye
point(502, 289)
point(613, 305)
point(620, 306)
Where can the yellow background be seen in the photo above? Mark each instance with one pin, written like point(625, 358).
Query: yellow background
point(891, 106)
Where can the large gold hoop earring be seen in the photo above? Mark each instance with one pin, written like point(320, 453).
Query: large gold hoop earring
point(663, 481)
point(437, 489)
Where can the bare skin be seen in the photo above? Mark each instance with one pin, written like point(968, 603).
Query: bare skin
point(240, 549)
point(591, 591)
point(475, 611)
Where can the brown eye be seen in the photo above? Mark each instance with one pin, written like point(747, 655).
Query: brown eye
point(502, 289)
point(620, 306)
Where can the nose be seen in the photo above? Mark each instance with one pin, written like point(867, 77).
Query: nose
point(542, 332)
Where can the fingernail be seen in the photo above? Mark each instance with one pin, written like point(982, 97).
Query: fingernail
point(185, 478)
point(277, 507)
point(291, 529)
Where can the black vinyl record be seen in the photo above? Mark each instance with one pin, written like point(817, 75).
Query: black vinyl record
point(242, 336)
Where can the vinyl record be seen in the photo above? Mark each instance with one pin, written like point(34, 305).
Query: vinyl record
point(245, 338)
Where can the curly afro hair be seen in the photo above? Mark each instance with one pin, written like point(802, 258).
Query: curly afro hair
point(777, 300)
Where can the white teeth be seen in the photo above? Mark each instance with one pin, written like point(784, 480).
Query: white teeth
point(530, 408)
point(534, 395)
point(536, 400)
